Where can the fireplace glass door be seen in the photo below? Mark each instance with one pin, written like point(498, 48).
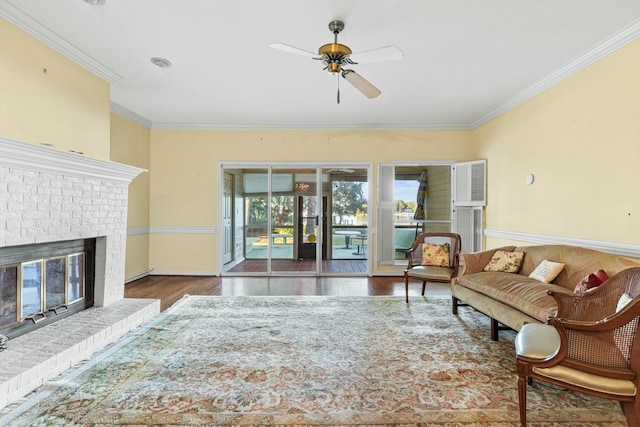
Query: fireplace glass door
point(31, 289)
point(55, 283)
point(76, 278)
point(8, 295)
point(39, 283)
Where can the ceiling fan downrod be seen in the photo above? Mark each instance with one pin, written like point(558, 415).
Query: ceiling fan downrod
point(334, 53)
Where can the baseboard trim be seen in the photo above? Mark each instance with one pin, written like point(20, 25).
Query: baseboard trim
point(137, 276)
point(631, 250)
point(183, 273)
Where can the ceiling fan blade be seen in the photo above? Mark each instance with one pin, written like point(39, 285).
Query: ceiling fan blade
point(360, 83)
point(294, 50)
point(386, 53)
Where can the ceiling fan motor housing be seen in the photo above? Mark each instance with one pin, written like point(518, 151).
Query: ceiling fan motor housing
point(334, 54)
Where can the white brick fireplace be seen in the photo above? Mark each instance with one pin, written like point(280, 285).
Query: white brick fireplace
point(47, 196)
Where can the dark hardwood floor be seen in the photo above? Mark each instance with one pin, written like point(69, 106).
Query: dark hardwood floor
point(169, 289)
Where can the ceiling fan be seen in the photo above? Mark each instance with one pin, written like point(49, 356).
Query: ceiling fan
point(343, 170)
point(335, 56)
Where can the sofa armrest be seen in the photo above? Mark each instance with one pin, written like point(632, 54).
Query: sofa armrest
point(474, 262)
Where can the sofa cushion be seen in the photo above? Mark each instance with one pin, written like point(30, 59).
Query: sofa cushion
point(507, 262)
point(520, 292)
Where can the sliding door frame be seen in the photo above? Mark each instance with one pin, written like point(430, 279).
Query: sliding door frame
point(270, 167)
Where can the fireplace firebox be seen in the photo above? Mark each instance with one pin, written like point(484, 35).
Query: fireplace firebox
point(42, 283)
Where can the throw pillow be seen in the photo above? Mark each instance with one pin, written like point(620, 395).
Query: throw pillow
point(591, 281)
point(623, 339)
point(506, 262)
point(435, 254)
point(546, 271)
point(624, 300)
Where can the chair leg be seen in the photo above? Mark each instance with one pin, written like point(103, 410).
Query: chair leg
point(494, 330)
point(632, 411)
point(454, 305)
point(424, 286)
point(522, 400)
point(406, 286)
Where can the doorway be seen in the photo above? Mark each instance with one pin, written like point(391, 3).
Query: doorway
point(308, 224)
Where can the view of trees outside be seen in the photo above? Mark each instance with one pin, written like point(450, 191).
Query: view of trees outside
point(349, 207)
point(349, 203)
point(405, 198)
point(281, 212)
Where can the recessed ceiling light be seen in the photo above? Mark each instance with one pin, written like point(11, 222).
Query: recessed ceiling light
point(96, 2)
point(161, 62)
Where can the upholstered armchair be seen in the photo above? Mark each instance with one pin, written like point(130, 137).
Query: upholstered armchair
point(433, 257)
point(590, 346)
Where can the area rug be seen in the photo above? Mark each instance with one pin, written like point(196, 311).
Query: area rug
point(210, 361)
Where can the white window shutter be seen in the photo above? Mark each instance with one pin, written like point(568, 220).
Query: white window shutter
point(470, 182)
point(386, 208)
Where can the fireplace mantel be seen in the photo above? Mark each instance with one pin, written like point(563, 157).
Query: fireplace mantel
point(41, 158)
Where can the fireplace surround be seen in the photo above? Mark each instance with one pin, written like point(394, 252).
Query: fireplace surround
point(48, 195)
point(49, 198)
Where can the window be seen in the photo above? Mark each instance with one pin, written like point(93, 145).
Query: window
point(412, 199)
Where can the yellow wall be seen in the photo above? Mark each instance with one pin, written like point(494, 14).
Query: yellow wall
point(581, 140)
point(130, 145)
point(184, 175)
point(67, 107)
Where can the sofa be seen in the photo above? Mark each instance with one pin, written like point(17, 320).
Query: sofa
point(512, 299)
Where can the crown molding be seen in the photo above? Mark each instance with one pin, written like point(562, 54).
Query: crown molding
point(325, 126)
point(619, 39)
point(128, 114)
point(631, 250)
point(39, 158)
point(22, 20)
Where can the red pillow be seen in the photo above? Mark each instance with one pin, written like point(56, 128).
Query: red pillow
point(591, 281)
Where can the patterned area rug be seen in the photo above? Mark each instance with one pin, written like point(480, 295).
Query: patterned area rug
point(306, 361)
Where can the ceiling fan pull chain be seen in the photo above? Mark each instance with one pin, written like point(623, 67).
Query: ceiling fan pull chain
point(338, 96)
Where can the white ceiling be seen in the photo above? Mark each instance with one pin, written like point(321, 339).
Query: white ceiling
point(465, 60)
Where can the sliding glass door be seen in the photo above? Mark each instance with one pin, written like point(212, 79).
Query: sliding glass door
point(295, 219)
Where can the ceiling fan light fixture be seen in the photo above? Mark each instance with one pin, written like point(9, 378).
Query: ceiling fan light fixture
point(360, 83)
point(96, 2)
